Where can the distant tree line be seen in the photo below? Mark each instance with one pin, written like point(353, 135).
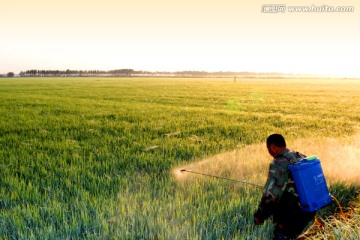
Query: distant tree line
point(135, 73)
point(78, 73)
point(117, 72)
point(9, 75)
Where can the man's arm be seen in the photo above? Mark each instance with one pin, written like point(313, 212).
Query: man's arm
point(273, 190)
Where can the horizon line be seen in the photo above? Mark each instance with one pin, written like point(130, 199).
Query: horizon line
point(131, 71)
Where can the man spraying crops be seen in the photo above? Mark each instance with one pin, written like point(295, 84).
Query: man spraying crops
point(280, 198)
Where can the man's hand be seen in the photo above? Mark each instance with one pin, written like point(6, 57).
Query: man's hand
point(258, 221)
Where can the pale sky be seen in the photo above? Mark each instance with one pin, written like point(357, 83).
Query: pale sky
point(176, 35)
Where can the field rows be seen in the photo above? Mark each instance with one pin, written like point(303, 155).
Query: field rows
point(92, 157)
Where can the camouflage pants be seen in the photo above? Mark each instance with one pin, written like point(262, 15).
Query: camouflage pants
point(291, 228)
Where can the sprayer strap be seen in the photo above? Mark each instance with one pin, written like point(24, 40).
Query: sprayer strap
point(292, 161)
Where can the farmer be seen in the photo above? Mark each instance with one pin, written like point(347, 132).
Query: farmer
point(280, 198)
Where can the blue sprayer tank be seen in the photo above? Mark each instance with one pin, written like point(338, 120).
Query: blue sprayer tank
point(311, 184)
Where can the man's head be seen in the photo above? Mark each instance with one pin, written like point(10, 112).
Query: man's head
point(275, 143)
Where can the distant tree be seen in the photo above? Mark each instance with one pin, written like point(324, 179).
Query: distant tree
point(10, 74)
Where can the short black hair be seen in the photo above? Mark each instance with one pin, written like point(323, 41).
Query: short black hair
point(276, 139)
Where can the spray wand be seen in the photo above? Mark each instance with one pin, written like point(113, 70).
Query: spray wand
point(229, 179)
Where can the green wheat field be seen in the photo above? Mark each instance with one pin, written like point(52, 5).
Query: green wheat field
point(99, 158)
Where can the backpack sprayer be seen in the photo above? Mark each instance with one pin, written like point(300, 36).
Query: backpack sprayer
point(309, 181)
point(311, 184)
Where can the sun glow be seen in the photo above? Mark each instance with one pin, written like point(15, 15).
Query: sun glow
point(214, 36)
